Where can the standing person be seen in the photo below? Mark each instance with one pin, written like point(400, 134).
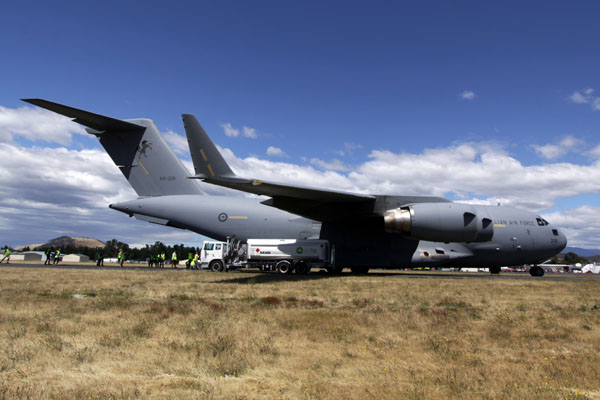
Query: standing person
point(174, 259)
point(188, 263)
point(47, 253)
point(121, 257)
point(6, 255)
point(56, 256)
point(100, 259)
point(51, 255)
point(163, 257)
point(194, 263)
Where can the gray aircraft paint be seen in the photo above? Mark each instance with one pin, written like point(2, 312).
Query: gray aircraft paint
point(356, 228)
point(153, 169)
point(220, 216)
point(137, 148)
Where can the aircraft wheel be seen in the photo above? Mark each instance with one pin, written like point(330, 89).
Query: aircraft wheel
point(335, 270)
point(301, 268)
point(284, 267)
point(360, 270)
point(216, 266)
point(536, 271)
point(495, 270)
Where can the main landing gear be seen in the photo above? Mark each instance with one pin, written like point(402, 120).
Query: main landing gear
point(536, 271)
point(495, 270)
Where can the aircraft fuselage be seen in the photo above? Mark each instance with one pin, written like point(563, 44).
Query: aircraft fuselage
point(519, 237)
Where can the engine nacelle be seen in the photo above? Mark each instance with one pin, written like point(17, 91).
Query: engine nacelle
point(439, 222)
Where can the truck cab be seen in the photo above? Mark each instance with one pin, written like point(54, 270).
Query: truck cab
point(212, 254)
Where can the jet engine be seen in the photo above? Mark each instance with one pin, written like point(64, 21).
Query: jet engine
point(439, 222)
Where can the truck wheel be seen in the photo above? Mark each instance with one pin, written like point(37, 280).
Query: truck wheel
point(284, 267)
point(360, 270)
point(216, 266)
point(495, 270)
point(301, 267)
point(536, 271)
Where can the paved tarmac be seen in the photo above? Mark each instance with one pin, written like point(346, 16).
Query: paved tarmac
point(381, 273)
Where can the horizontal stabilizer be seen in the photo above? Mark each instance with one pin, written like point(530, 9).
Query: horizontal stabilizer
point(95, 121)
point(137, 149)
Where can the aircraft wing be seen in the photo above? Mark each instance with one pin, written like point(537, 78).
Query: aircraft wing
point(265, 188)
point(314, 203)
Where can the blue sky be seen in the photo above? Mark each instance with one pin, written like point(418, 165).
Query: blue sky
point(324, 85)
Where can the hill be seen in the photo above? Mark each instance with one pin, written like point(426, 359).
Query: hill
point(67, 241)
point(581, 252)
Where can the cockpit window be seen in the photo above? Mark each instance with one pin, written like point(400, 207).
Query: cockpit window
point(555, 232)
point(540, 221)
point(545, 222)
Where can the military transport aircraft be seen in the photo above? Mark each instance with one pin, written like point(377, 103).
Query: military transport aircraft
point(367, 231)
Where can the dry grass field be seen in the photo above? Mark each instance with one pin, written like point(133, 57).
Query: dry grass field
point(103, 334)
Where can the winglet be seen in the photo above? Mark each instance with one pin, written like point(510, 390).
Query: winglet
point(208, 162)
point(95, 121)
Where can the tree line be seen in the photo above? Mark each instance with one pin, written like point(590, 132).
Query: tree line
point(112, 247)
point(569, 258)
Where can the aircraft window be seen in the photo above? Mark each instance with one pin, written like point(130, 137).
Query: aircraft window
point(439, 251)
point(218, 247)
point(554, 232)
point(545, 222)
point(539, 221)
point(208, 246)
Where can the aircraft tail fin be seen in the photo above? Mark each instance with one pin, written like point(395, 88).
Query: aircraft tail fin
point(137, 148)
point(207, 160)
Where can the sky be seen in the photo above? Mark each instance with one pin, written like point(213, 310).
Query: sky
point(480, 102)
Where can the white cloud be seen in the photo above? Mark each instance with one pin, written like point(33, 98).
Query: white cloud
point(348, 149)
point(36, 124)
point(47, 192)
point(586, 96)
point(581, 97)
point(566, 145)
point(476, 171)
point(229, 130)
point(334, 165)
point(467, 95)
point(275, 152)
point(249, 132)
point(595, 152)
point(177, 142)
point(581, 225)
